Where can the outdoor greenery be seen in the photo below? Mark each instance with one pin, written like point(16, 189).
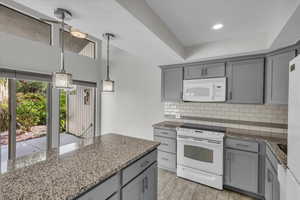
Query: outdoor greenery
point(31, 106)
point(63, 111)
point(4, 116)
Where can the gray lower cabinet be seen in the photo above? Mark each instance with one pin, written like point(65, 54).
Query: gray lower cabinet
point(104, 190)
point(204, 71)
point(272, 186)
point(137, 181)
point(167, 150)
point(277, 77)
point(172, 84)
point(241, 170)
point(143, 187)
point(246, 81)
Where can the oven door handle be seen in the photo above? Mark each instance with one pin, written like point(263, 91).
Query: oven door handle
point(189, 138)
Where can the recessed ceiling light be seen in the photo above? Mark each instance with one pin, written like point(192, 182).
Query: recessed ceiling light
point(217, 26)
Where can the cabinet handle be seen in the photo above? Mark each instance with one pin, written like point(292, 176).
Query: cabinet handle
point(164, 133)
point(242, 145)
point(230, 95)
point(166, 159)
point(229, 177)
point(270, 176)
point(146, 183)
point(143, 185)
point(144, 164)
point(206, 71)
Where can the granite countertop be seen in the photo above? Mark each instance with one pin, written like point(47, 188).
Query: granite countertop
point(65, 173)
point(271, 141)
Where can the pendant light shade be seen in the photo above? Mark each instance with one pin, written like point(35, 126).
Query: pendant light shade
point(107, 84)
point(62, 80)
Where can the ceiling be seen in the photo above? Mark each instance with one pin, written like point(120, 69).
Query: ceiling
point(174, 31)
point(192, 21)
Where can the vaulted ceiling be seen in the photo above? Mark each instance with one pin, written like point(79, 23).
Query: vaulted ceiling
point(171, 31)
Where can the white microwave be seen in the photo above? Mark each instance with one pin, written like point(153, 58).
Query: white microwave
point(205, 90)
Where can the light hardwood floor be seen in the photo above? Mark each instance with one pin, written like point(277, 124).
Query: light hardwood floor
point(171, 187)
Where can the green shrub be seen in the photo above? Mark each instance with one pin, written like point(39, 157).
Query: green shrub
point(62, 111)
point(31, 110)
point(4, 117)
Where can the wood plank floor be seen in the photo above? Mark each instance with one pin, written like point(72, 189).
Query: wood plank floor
point(170, 187)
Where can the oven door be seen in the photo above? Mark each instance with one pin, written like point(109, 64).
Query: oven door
point(200, 154)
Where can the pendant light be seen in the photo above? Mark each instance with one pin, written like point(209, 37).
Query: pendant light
point(107, 84)
point(62, 79)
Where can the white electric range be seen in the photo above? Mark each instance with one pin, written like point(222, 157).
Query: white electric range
point(200, 155)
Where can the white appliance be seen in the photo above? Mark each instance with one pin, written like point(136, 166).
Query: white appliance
point(205, 90)
point(293, 172)
point(200, 156)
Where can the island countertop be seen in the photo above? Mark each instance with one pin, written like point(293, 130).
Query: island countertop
point(67, 172)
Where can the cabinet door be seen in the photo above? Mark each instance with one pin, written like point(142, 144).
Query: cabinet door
point(172, 80)
point(214, 70)
point(193, 72)
point(246, 81)
point(205, 71)
point(134, 189)
point(150, 183)
point(277, 77)
point(272, 187)
point(241, 170)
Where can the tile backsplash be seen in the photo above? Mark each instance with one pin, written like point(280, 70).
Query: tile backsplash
point(269, 114)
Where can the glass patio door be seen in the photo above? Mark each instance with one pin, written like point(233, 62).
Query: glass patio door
point(23, 113)
point(31, 116)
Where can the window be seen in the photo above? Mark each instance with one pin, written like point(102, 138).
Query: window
point(82, 47)
point(21, 25)
point(77, 113)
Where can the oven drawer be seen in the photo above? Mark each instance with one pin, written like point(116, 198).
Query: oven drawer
point(166, 161)
point(166, 144)
point(242, 145)
point(165, 133)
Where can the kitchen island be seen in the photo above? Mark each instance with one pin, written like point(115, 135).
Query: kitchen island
point(76, 171)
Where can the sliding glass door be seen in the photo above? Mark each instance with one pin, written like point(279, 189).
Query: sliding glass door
point(31, 116)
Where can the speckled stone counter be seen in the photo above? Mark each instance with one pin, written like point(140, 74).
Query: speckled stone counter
point(271, 141)
point(69, 171)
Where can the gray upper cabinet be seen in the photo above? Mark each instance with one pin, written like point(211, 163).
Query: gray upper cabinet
point(277, 77)
point(246, 81)
point(204, 71)
point(172, 83)
point(241, 170)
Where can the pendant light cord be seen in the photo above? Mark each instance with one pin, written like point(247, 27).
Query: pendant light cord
point(62, 54)
point(107, 60)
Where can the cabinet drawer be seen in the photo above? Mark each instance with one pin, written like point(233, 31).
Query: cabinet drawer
point(165, 133)
point(166, 160)
point(166, 144)
point(134, 169)
point(102, 191)
point(242, 145)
